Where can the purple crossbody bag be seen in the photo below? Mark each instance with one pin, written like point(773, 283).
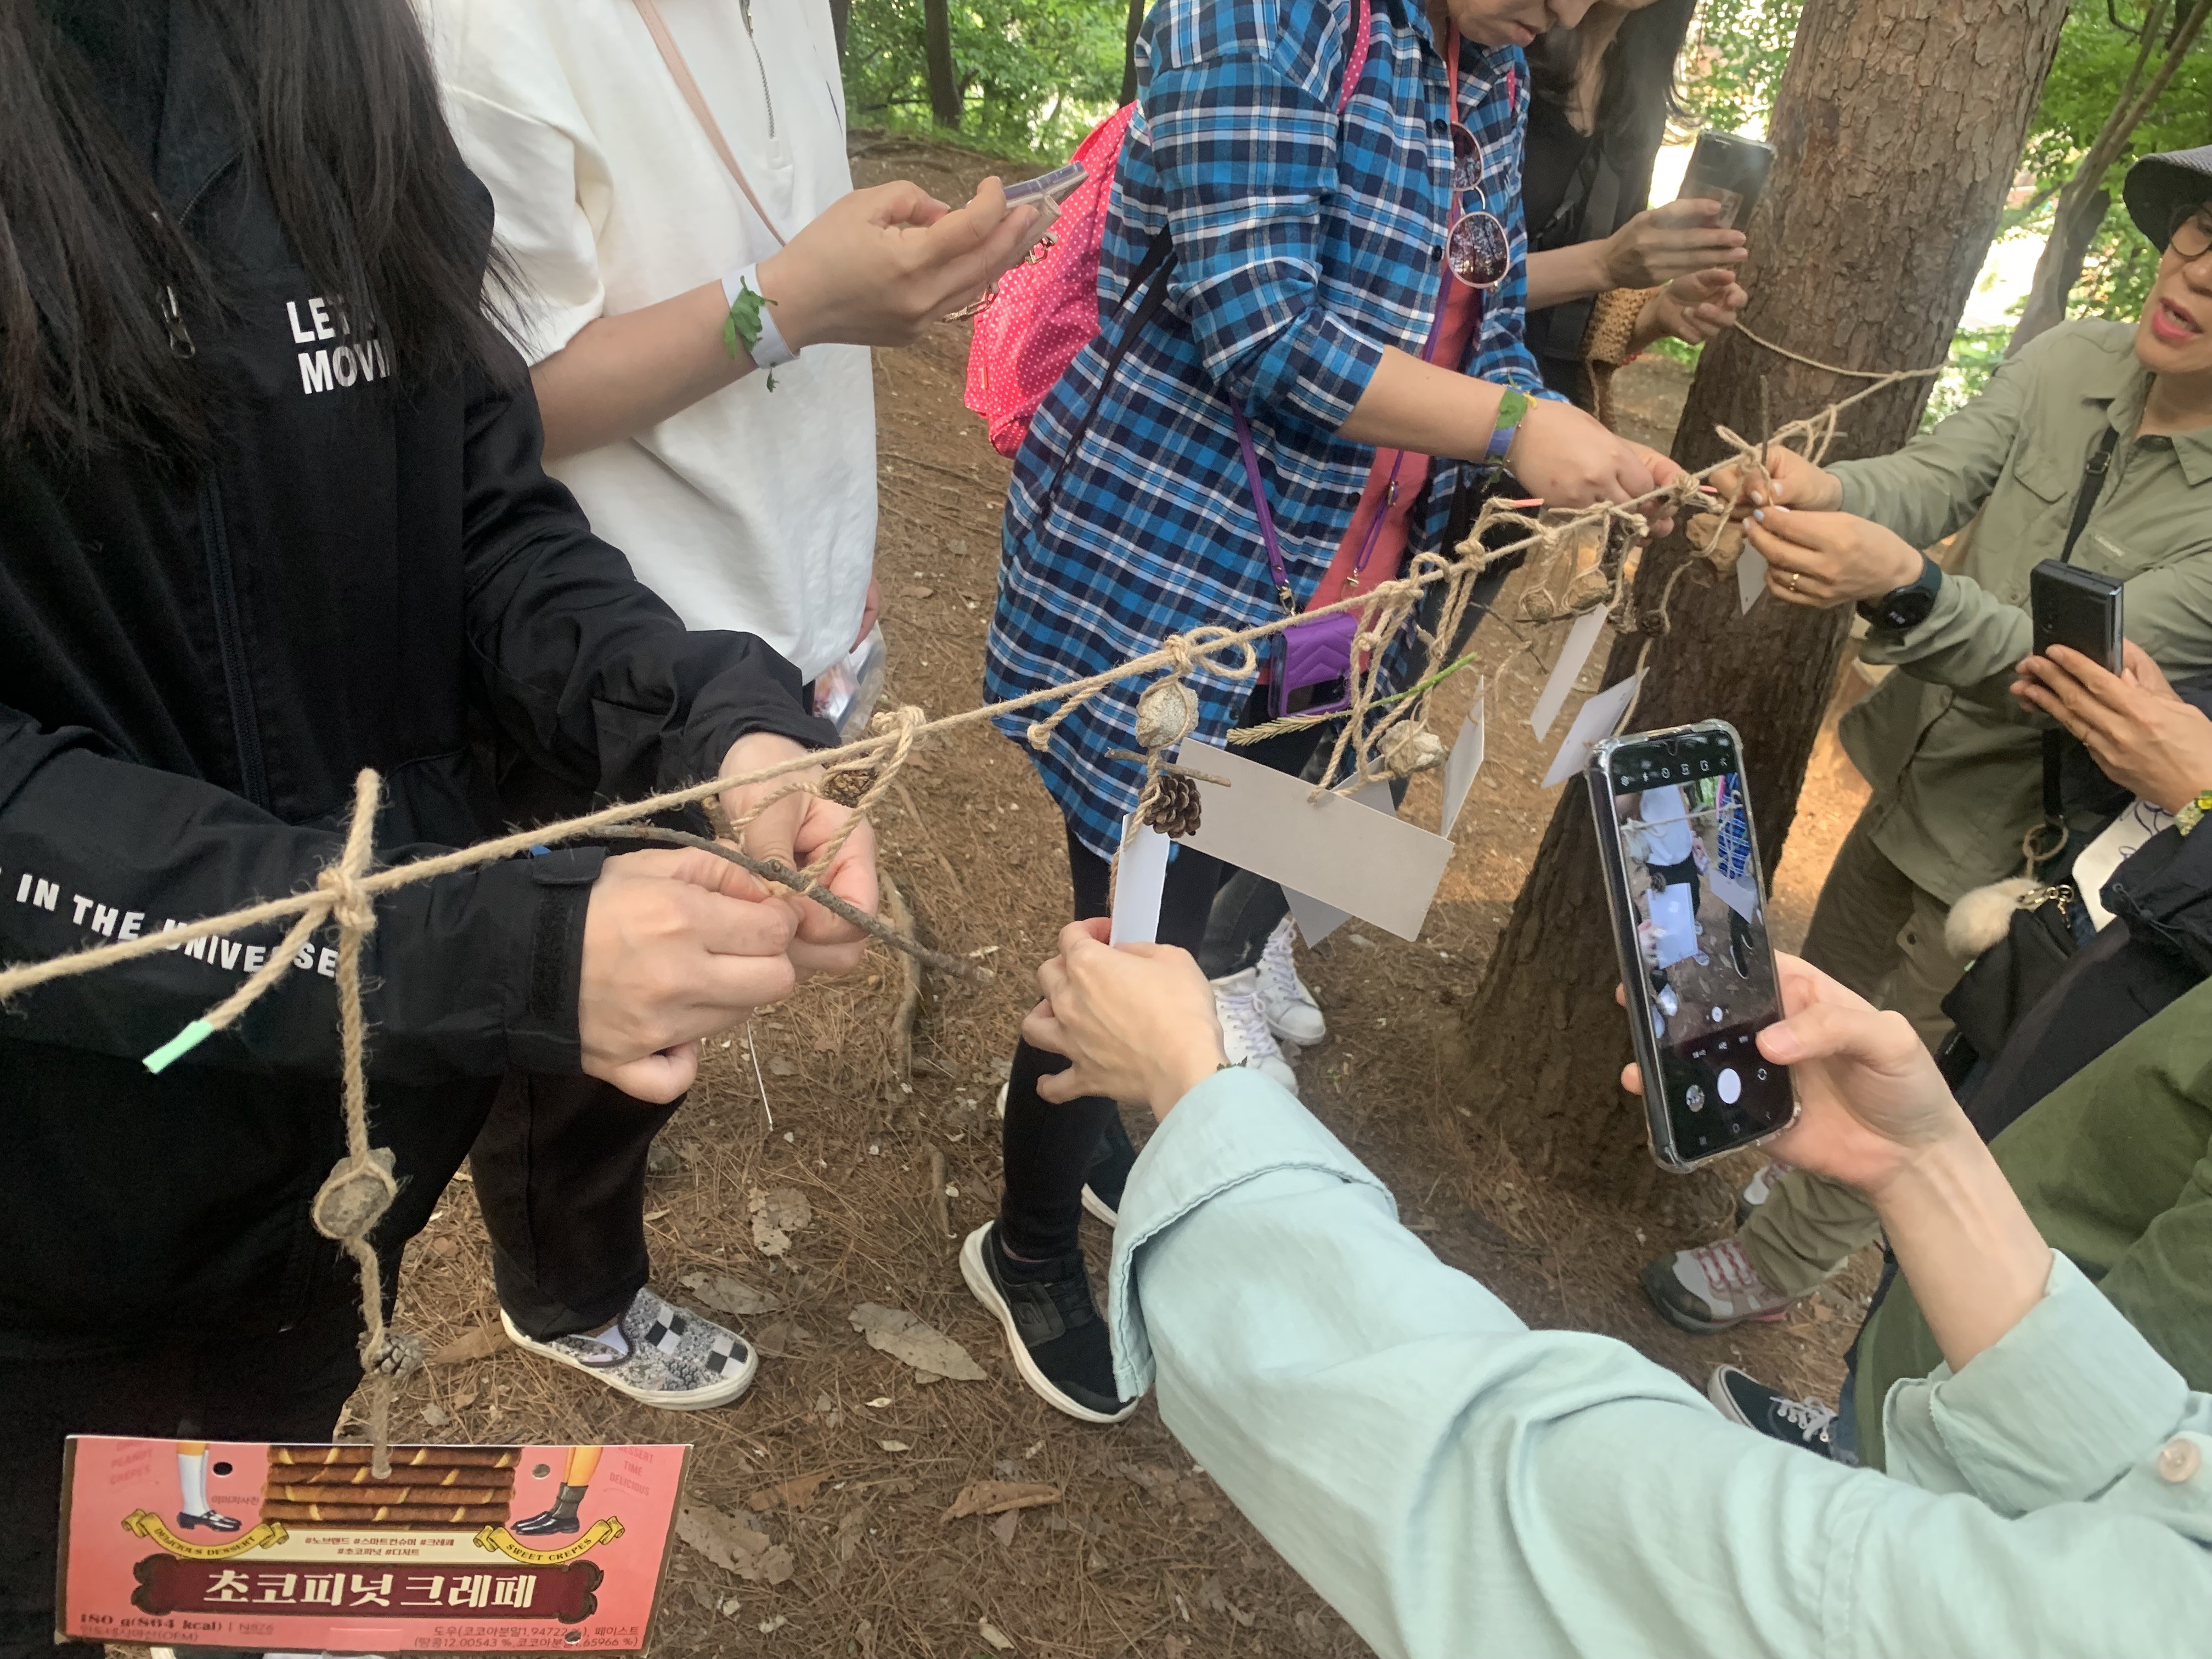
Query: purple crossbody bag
point(1306, 653)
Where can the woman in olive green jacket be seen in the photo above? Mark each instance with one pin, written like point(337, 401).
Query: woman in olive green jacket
point(2117, 413)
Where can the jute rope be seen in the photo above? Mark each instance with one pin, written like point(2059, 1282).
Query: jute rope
point(360, 1190)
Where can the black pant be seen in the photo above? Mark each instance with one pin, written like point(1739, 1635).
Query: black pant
point(204, 1385)
point(560, 1173)
point(1047, 1147)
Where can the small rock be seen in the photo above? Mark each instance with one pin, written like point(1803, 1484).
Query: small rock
point(660, 1160)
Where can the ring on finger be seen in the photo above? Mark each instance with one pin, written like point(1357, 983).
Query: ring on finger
point(1796, 578)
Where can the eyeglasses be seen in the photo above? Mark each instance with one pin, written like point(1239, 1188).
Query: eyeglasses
point(1476, 249)
point(2192, 236)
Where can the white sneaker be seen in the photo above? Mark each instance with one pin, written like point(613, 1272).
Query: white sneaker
point(1293, 1014)
point(1245, 1038)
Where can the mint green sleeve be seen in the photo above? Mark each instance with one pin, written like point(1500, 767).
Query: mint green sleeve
point(1458, 1486)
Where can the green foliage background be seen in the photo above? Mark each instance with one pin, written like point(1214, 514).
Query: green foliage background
point(1035, 74)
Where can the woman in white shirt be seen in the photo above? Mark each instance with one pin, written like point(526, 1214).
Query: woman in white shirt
point(673, 200)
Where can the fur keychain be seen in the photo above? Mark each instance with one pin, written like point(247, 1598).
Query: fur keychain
point(1980, 919)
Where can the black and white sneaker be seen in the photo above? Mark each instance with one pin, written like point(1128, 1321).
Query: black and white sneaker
point(1108, 1174)
point(1059, 1342)
point(671, 1357)
point(1742, 1398)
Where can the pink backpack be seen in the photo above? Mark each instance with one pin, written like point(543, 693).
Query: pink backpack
point(1045, 313)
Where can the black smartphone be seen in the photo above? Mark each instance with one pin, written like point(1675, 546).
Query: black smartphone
point(1688, 897)
point(2077, 609)
point(1729, 170)
point(1053, 186)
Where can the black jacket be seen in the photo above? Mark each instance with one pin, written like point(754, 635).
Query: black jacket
point(193, 669)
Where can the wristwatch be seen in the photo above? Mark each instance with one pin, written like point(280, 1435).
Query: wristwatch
point(2193, 814)
point(1907, 607)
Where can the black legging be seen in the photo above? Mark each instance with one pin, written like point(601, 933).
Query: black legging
point(1047, 1148)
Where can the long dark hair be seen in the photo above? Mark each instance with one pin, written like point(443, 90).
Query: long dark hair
point(1638, 74)
point(338, 108)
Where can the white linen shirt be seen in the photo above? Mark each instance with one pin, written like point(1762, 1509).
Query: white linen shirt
point(753, 509)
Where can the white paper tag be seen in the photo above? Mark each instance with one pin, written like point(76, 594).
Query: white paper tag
point(1750, 577)
point(1595, 721)
point(1581, 641)
point(1739, 897)
point(1465, 759)
point(1140, 875)
point(1368, 862)
point(1316, 921)
point(1674, 924)
point(2094, 866)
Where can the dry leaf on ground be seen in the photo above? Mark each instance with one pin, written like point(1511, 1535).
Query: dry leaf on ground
point(999, 1497)
point(735, 1544)
point(795, 1493)
point(777, 1214)
point(479, 1344)
point(731, 1296)
point(997, 1638)
point(1003, 1527)
point(902, 1336)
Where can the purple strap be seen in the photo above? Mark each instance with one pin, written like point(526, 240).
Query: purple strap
point(1259, 504)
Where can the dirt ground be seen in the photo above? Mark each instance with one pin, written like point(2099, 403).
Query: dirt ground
point(848, 1458)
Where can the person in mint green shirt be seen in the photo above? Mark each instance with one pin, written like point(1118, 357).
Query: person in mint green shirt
point(1456, 1483)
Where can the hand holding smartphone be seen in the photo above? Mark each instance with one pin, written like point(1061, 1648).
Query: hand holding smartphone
point(1729, 170)
point(1053, 187)
point(2078, 609)
point(1688, 897)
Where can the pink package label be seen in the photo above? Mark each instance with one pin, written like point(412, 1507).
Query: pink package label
point(310, 1548)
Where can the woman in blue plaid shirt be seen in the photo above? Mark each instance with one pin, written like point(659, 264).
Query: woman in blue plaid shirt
point(1306, 189)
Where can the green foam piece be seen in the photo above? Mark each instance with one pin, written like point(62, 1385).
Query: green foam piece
point(179, 1046)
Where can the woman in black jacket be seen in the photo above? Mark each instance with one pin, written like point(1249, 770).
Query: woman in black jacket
point(1601, 97)
point(272, 512)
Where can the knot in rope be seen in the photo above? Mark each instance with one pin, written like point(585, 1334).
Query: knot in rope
point(354, 910)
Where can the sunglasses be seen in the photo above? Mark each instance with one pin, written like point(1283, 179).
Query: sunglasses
point(1476, 250)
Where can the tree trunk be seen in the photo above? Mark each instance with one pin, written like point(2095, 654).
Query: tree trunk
point(944, 80)
point(1898, 125)
point(840, 20)
point(2084, 202)
point(2075, 223)
point(1129, 52)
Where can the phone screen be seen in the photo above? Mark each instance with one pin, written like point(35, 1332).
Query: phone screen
point(1704, 968)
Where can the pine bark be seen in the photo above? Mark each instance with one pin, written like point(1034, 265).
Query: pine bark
point(1897, 128)
point(944, 79)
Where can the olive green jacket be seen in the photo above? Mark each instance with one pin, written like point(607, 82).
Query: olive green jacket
point(1954, 762)
point(2114, 1168)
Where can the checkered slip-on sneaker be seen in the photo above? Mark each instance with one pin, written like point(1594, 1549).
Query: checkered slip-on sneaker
point(676, 1360)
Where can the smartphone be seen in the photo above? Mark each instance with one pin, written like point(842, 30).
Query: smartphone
point(1688, 897)
point(1729, 170)
point(1050, 186)
point(2077, 609)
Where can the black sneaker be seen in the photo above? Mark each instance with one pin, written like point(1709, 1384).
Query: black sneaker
point(1103, 1183)
point(1059, 1342)
point(1742, 1398)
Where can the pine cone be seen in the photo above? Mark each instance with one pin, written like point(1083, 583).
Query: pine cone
point(846, 788)
point(1172, 807)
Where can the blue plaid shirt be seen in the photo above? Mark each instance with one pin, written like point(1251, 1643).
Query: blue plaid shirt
point(1305, 241)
